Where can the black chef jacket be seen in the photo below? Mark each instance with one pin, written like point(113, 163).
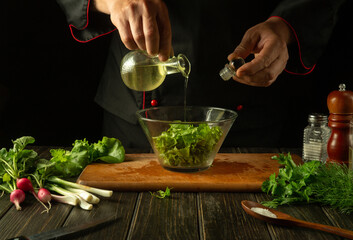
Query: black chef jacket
point(206, 32)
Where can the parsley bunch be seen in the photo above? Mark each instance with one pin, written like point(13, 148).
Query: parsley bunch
point(311, 182)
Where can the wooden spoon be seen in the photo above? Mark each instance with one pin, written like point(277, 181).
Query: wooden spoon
point(287, 220)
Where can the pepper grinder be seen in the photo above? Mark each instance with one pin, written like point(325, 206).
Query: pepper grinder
point(340, 105)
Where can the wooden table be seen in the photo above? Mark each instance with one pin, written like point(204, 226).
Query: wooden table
point(200, 215)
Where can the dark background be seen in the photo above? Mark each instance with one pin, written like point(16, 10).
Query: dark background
point(48, 80)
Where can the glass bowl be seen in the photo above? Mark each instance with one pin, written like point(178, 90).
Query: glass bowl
point(186, 139)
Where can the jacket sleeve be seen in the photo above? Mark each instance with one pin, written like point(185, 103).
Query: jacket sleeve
point(312, 23)
point(85, 25)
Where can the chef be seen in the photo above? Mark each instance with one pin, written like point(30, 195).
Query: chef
point(276, 38)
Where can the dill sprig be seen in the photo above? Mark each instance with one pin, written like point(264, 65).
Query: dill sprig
point(333, 186)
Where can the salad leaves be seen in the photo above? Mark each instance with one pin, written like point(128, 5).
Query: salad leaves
point(71, 163)
point(109, 150)
point(19, 162)
point(186, 144)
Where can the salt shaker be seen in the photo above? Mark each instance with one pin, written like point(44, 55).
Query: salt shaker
point(230, 69)
point(315, 139)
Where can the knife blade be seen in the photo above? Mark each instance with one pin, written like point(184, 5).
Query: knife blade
point(65, 231)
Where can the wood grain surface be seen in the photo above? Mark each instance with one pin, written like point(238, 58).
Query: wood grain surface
point(230, 172)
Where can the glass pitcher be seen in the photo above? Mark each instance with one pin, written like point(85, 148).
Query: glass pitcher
point(142, 72)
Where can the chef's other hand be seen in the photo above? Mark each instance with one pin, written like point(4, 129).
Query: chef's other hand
point(142, 24)
point(268, 42)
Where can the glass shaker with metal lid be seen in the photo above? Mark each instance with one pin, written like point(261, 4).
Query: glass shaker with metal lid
point(315, 139)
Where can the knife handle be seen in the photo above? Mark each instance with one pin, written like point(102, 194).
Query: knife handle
point(18, 238)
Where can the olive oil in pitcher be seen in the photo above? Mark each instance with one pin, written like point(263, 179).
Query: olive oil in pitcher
point(142, 72)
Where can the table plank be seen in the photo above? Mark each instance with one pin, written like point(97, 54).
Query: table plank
point(30, 221)
point(120, 205)
point(224, 218)
point(5, 204)
point(174, 217)
point(339, 219)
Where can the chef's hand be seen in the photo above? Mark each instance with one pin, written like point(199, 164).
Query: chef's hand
point(268, 42)
point(142, 24)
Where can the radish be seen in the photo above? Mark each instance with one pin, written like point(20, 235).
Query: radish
point(17, 196)
point(26, 185)
point(45, 197)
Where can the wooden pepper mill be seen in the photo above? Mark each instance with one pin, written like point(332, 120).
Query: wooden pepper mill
point(340, 105)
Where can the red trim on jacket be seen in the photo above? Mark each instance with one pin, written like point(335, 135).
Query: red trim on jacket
point(143, 100)
point(71, 26)
point(310, 69)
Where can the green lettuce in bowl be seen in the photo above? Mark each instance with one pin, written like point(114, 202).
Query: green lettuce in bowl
point(186, 139)
point(186, 144)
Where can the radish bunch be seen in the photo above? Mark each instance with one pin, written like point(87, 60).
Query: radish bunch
point(43, 196)
point(19, 165)
point(70, 193)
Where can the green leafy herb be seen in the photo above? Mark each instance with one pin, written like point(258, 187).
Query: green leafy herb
point(71, 163)
point(186, 144)
point(16, 162)
point(334, 187)
point(311, 182)
point(161, 193)
point(109, 150)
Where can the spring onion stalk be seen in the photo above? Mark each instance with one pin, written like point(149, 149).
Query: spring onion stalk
point(88, 197)
point(82, 193)
point(100, 192)
point(95, 200)
point(71, 200)
point(62, 191)
point(83, 204)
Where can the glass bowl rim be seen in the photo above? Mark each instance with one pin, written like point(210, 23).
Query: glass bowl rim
point(139, 115)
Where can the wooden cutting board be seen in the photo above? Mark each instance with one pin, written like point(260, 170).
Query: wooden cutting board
point(230, 172)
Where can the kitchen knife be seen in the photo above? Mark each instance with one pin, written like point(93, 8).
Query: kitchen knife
point(64, 231)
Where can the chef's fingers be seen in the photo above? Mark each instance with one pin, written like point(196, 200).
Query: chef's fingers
point(151, 33)
point(136, 24)
point(245, 48)
point(270, 51)
point(125, 33)
point(121, 16)
point(266, 76)
point(165, 33)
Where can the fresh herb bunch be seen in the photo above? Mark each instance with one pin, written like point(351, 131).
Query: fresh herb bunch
point(71, 163)
point(311, 182)
point(22, 170)
point(186, 144)
point(16, 162)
